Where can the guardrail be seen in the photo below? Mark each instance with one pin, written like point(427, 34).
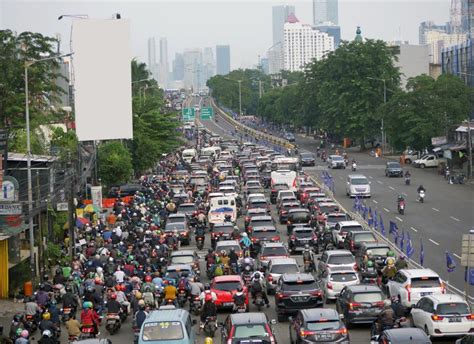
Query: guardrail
point(255, 133)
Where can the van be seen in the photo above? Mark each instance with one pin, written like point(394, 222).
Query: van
point(284, 177)
point(221, 206)
point(211, 151)
point(188, 155)
point(166, 325)
point(357, 185)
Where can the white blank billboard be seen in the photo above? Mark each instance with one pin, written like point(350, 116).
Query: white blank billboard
point(102, 79)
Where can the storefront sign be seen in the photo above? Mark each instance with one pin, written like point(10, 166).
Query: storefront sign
point(10, 209)
point(96, 193)
point(9, 189)
point(439, 140)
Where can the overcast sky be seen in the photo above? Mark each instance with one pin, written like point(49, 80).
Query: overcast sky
point(245, 25)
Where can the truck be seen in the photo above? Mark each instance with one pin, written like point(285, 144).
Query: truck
point(428, 160)
point(284, 177)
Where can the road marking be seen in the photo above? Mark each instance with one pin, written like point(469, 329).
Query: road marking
point(414, 229)
point(371, 177)
point(380, 182)
point(455, 219)
point(454, 254)
point(375, 201)
point(391, 188)
point(340, 177)
point(399, 219)
point(386, 210)
point(435, 209)
point(434, 242)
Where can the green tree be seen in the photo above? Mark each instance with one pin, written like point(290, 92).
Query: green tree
point(115, 163)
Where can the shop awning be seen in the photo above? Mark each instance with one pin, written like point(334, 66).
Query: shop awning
point(459, 147)
point(443, 147)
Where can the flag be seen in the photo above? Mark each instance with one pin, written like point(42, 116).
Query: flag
point(364, 215)
point(394, 231)
point(376, 220)
point(410, 247)
point(382, 226)
point(356, 201)
point(422, 253)
point(450, 263)
point(370, 219)
point(402, 241)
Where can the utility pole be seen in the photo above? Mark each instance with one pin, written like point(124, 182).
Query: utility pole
point(469, 147)
point(40, 227)
point(71, 209)
point(240, 97)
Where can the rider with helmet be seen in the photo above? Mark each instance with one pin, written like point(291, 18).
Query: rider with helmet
point(386, 318)
point(208, 310)
point(113, 306)
point(257, 287)
point(23, 337)
point(239, 298)
point(47, 324)
point(401, 263)
point(69, 299)
point(47, 338)
point(207, 291)
point(308, 256)
point(89, 317)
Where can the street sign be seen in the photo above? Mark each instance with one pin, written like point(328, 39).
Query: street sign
point(10, 209)
point(63, 206)
point(207, 113)
point(188, 114)
point(467, 250)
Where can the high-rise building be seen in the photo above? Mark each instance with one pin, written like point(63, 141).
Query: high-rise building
point(429, 26)
point(178, 67)
point(439, 40)
point(325, 11)
point(163, 71)
point(192, 69)
point(332, 30)
point(152, 57)
point(279, 15)
point(209, 65)
point(459, 61)
point(222, 59)
point(303, 44)
point(264, 65)
point(412, 60)
point(275, 59)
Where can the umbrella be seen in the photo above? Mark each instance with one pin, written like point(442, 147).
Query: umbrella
point(81, 221)
point(91, 208)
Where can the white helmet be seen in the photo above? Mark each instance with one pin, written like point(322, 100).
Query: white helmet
point(244, 235)
point(99, 270)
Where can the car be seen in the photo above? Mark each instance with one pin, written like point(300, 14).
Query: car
point(185, 257)
point(271, 250)
point(429, 160)
point(410, 285)
point(225, 287)
point(190, 210)
point(360, 304)
point(263, 234)
point(336, 258)
point(276, 268)
point(181, 229)
point(260, 221)
point(285, 208)
point(176, 218)
point(378, 252)
point(285, 194)
point(302, 236)
point(357, 185)
point(175, 271)
point(354, 239)
point(336, 161)
point(290, 137)
point(393, 169)
point(342, 228)
point(227, 245)
point(316, 325)
point(295, 292)
point(402, 336)
point(221, 231)
point(248, 328)
point(335, 279)
point(251, 213)
point(443, 315)
point(307, 159)
point(261, 203)
point(298, 217)
point(332, 219)
point(166, 326)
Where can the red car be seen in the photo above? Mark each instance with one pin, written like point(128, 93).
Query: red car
point(225, 287)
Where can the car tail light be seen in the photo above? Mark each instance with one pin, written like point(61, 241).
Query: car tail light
point(247, 219)
point(354, 305)
point(443, 287)
point(470, 317)
point(276, 238)
point(263, 257)
point(436, 317)
point(378, 304)
point(329, 285)
point(342, 331)
point(304, 333)
point(254, 239)
point(355, 267)
point(282, 296)
point(274, 191)
point(292, 237)
point(250, 228)
point(294, 183)
point(283, 212)
point(316, 293)
point(270, 278)
point(408, 288)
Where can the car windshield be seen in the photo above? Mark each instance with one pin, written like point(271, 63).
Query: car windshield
point(337, 158)
point(277, 187)
point(174, 274)
point(250, 331)
point(176, 219)
point(368, 297)
point(300, 285)
point(261, 223)
point(336, 218)
point(359, 181)
point(182, 259)
point(227, 248)
point(341, 259)
point(264, 232)
point(303, 233)
point(304, 216)
point(346, 229)
point(328, 208)
point(223, 229)
point(379, 251)
point(393, 165)
point(459, 308)
point(425, 282)
point(162, 331)
point(284, 269)
point(227, 286)
point(258, 204)
point(186, 208)
point(174, 226)
point(274, 251)
point(343, 277)
point(307, 156)
point(325, 325)
point(363, 237)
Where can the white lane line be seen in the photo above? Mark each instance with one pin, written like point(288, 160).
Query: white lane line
point(371, 177)
point(386, 210)
point(375, 201)
point(455, 219)
point(380, 182)
point(391, 188)
point(399, 219)
point(454, 254)
point(414, 229)
point(437, 210)
point(434, 242)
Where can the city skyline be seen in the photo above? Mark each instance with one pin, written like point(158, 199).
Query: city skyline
point(190, 28)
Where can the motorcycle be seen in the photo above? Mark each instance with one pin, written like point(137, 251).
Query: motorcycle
point(210, 326)
point(182, 297)
point(407, 180)
point(421, 196)
point(401, 207)
point(369, 276)
point(308, 265)
point(112, 323)
point(136, 334)
point(195, 305)
point(72, 339)
point(200, 242)
point(30, 323)
point(239, 308)
point(66, 311)
point(354, 167)
point(259, 301)
point(375, 331)
point(87, 332)
point(247, 277)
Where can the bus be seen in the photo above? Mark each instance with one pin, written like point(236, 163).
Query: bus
point(285, 163)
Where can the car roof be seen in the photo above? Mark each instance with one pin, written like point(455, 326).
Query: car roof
point(302, 228)
point(312, 314)
point(414, 273)
point(356, 176)
point(176, 215)
point(407, 335)
point(248, 318)
point(339, 253)
point(283, 261)
point(182, 253)
point(297, 277)
point(179, 267)
point(261, 218)
point(272, 244)
point(227, 278)
point(172, 314)
point(227, 243)
point(298, 210)
point(370, 245)
point(349, 223)
point(363, 288)
point(187, 204)
point(445, 298)
point(325, 204)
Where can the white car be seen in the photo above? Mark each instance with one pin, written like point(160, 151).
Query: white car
point(340, 231)
point(357, 185)
point(334, 280)
point(278, 267)
point(336, 161)
point(339, 259)
point(429, 160)
point(442, 315)
point(410, 285)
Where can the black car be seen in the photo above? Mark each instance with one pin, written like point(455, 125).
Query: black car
point(403, 336)
point(298, 216)
point(275, 189)
point(264, 234)
point(221, 231)
point(318, 325)
point(377, 251)
point(190, 210)
point(393, 169)
point(302, 236)
point(355, 239)
point(307, 159)
point(360, 304)
point(248, 328)
point(295, 292)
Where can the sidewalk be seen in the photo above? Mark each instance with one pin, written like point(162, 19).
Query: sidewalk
point(8, 308)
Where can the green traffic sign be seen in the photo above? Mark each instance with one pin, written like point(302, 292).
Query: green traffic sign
point(188, 114)
point(207, 113)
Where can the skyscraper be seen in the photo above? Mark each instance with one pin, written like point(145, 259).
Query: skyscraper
point(209, 65)
point(332, 30)
point(325, 11)
point(163, 66)
point(192, 69)
point(152, 56)
point(279, 15)
point(178, 67)
point(429, 26)
point(222, 59)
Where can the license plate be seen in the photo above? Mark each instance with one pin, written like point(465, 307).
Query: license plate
point(324, 336)
point(426, 293)
point(454, 320)
point(228, 304)
point(299, 298)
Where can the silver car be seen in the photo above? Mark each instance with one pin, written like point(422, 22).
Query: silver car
point(278, 267)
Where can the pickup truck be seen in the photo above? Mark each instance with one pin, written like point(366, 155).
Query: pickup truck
point(428, 160)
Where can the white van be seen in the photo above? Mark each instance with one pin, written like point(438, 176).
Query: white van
point(284, 177)
point(213, 151)
point(357, 185)
point(189, 154)
point(221, 206)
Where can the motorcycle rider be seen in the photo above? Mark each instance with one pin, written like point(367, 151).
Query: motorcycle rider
point(207, 291)
point(245, 243)
point(400, 201)
point(401, 263)
point(208, 310)
point(42, 296)
point(407, 177)
point(70, 300)
point(32, 309)
point(421, 188)
point(389, 270)
point(23, 337)
point(386, 318)
point(113, 306)
point(256, 286)
point(73, 326)
point(47, 338)
point(16, 326)
point(47, 324)
point(308, 255)
point(89, 317)
point(148, 283)
point(233, 260)
point(200, 231)
point(140, 315)
point(169, 293)
point(239, 298)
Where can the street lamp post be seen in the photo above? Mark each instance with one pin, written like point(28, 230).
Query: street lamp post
point(27, 65)
point(385, 102)
point(240, 97)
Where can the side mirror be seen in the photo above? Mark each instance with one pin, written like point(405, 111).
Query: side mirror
point(290, 318)
point(273, 321)
point(221, 324)
point(341, 316)
point(374, 338)
point(194, 322)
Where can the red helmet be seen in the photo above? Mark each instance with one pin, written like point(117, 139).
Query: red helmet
point(98, 280)
point(208, 297)
point(113, 296)
point(147, 278)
